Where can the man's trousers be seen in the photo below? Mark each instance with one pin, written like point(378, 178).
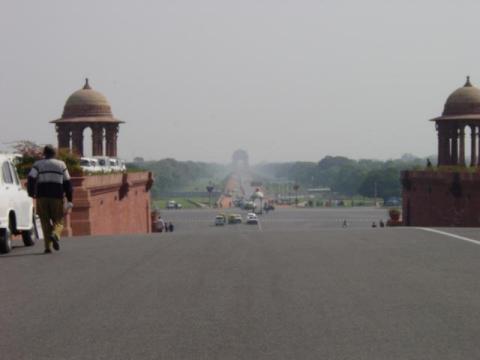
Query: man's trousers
point(51, 213)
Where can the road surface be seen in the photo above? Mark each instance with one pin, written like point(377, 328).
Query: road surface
point(296, 287)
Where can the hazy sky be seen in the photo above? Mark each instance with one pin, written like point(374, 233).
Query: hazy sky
point(286, 80)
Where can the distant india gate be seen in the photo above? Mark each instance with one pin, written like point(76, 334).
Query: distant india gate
point(88, 108)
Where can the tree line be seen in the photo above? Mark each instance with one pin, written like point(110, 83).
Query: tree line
point(174, 175)
point(343, 175)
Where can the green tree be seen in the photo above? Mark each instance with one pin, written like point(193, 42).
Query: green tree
point(386, 181)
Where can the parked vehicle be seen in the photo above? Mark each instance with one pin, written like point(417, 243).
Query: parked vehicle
point(114, 165)
point(252, 219)
point(234, 219)
point(172, 204)
point(393, 201)
point(219, 220)
point(17, 215)
point(122, 165)
point(90, 165)
point(107, 164)
point(249, 205)
point(104, 164)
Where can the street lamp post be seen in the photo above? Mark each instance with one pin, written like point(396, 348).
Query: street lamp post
point(210, 190)
point(296, 187)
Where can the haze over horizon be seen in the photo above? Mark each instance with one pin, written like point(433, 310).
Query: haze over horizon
point(285, 80)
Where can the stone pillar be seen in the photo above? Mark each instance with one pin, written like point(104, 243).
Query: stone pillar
point(473, 153)
point(63, 135)
point(443, 144)
point(77, 140)
point(111, 135)
point(461, 155)
point(454, 156)
point(97, 140)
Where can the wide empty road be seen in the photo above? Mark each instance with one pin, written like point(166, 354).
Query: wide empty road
point(296, 287)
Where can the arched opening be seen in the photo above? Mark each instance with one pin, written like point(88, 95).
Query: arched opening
point(450, 150)
point(87, 142)
point(104, 142)
point(473, 151)
point(467, 145)
point(70, 141)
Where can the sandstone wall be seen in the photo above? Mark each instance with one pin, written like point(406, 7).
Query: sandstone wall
point(441, 198)
point(111, 204)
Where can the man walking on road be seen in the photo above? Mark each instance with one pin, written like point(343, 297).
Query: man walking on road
point(48, 181)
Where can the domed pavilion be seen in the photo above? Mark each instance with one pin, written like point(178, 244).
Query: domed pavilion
point(450, 194)
point(461, 110)
point(88, 108)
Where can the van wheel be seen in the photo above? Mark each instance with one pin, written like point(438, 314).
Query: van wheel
point(5, 241)
point(30, 236)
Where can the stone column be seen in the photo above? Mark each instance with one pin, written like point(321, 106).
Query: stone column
point(97, 140)
point(461, 155)
point(63, 135)
point(473, 153)
point(443, 144)
point(111, 135)
point(77, 140)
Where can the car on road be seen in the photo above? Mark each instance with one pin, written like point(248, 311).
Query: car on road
point(252, 219)
point(249, 205)
point(219, 220)
point(172, 204)
point(17, 215)
point(234, 219)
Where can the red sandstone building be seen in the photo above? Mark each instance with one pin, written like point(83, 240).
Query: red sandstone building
point(103, 204)
point(449, 194)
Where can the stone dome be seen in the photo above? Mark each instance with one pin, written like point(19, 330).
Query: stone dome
point(87, 102)
point(463, 101)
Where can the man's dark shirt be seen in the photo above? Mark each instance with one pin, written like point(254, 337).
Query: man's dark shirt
point(49, 178)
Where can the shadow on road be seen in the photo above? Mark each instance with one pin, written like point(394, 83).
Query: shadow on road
point(20, 255)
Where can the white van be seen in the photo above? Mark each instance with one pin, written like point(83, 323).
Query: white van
point(103, 164)
point(89, 165)
point(17, 214)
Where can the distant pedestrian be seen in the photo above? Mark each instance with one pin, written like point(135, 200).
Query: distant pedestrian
point(381, 223)
point(166, 226)
point(48, 182)
point(171, 227)
point(344, 223)
point(374, 224)
point(160, 224)
point(429, 164)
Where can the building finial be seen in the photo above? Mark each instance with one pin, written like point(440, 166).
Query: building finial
point(87, 85)
point(468, 83)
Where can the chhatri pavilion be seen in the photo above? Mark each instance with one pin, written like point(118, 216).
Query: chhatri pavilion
point(449, 194)
point(88, 108)
point(461, 111)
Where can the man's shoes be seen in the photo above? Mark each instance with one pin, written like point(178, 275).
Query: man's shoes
point(55, 242)
point(47, 251)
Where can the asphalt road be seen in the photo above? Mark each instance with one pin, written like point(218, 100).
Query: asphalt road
point(296, 287)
